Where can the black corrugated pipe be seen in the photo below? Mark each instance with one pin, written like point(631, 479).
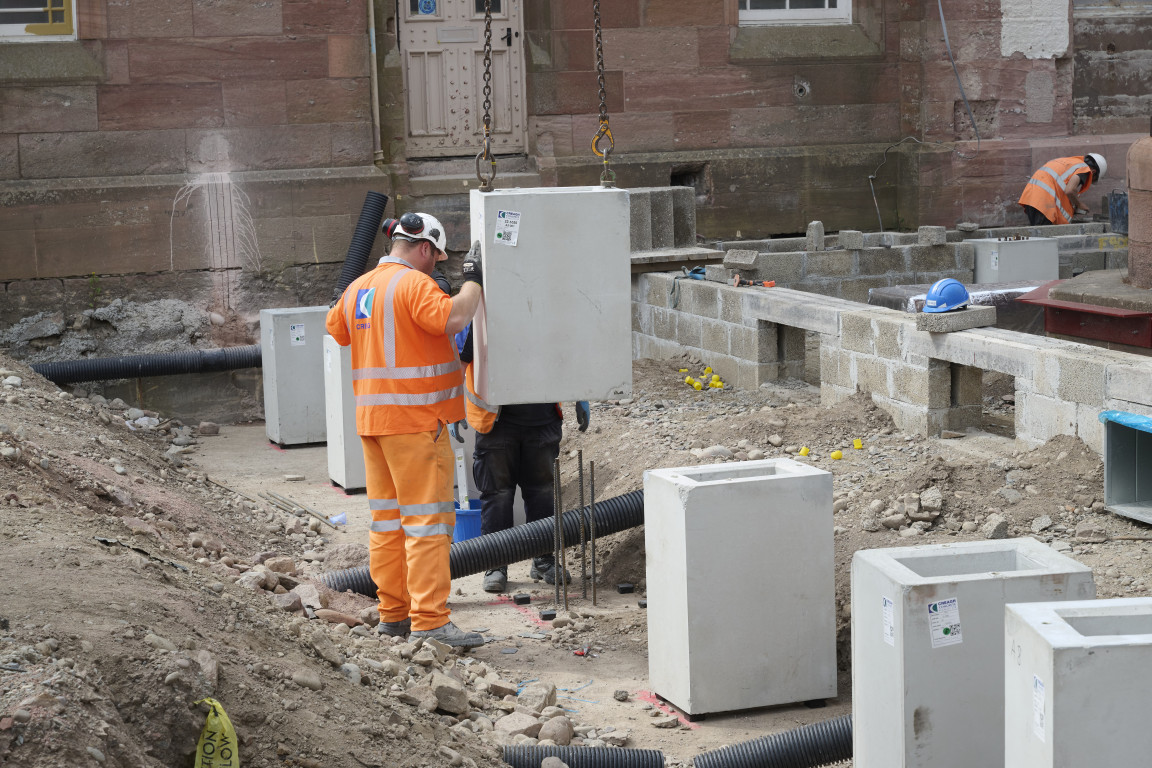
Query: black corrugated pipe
point(494, 550)
point(809, 746)
point(166, 364)
point(362, 240)
point(584, 757)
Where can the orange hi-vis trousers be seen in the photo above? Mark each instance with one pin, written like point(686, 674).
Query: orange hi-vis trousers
point(410, 495)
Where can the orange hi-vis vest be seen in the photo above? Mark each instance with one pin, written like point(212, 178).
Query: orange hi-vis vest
point(405, 371)
point(1045, 190)
point(481, 416)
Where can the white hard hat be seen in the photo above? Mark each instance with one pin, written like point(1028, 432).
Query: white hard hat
point(417, 226)
point(1101, 163)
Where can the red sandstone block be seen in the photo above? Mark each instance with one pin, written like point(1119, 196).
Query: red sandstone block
point(149, 18)
point(115, 62)
point(348, 56)
point(702, 130)
point(145, 107)
point(259, 102)
point(63, 108)
point(1140, 264)
point(101, 153)
point(577, 14)
point(712, 45)
point(862, 83)
point(559, 93)
point(550, 135)
point(218, 18)
point(9, 157)
point(333, 17)
point(634, 132)
point(328, 101)
point(651, 49)
point(259, 148)
point(352, 143)
point(18, 254)
point(789, 126)
point(125, 249)
point(573, 49)
point(676, 13)
point(728, 88)
point(91, 19)
point(1140, 216)
point(202, 60)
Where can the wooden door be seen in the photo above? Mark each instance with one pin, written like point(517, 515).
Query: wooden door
point(442, 42)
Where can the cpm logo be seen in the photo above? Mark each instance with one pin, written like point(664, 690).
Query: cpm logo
point(364, 298)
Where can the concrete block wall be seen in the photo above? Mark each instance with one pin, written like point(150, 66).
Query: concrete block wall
point(927, 382)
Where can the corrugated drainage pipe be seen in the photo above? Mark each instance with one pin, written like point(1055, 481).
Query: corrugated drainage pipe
point(136, 366)
point(809, 746)
point(584, 757)
point(513, 545)
point(362, 240)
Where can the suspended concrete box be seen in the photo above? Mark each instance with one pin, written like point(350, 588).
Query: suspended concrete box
point(292, 352)
point(928, 646)
point(556, 320)
point(345, 455)
point(1076, 683)
point(741, 601)
point(1128, 464)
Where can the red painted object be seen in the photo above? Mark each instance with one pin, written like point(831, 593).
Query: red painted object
point(1091, 321)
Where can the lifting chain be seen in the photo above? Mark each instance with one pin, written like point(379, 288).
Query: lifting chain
point(486, 151)
point(608, 176)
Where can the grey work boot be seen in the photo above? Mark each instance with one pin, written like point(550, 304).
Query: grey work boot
point(450, 634)
point(394, 628)
point(545, 568)
point(496, 580)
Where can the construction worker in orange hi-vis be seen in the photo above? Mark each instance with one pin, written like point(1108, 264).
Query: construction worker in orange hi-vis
point(409, 387)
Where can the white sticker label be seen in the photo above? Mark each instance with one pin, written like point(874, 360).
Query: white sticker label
point(944, 623)
point(1038, 707)
point(296, 334)
point(995, 259)
point(889, 622)
point(507, 227)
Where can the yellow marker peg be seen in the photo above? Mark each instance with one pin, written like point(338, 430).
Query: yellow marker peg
point(857, 443)
point(708, 370)
point(804, 451)
point(715, 377)
point(688, 380)
point(837, 455)
point(683, 370)
point(697, 386)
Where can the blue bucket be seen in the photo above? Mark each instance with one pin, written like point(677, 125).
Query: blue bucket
point(467, 521)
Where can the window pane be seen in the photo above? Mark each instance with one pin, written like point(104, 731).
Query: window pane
point(766, 5)
point(480, 6)
point(807, 5)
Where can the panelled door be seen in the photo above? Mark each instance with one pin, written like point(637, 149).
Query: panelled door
point(442, 42)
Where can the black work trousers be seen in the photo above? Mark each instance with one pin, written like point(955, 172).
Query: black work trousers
point(510, 456)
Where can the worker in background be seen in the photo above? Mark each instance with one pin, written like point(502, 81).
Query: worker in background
point(516, 445)
point(1052, 195)
point(409, 387)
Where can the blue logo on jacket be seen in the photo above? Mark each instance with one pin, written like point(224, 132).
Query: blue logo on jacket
point(364, 298)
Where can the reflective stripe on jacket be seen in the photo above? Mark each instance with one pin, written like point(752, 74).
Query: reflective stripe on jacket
point(1045, 190)
point(405, 372)
point(481, 416)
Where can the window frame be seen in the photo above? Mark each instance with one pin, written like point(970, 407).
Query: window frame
point(761, 18)
point(17, 33)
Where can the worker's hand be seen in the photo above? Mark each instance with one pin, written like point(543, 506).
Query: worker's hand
point(583, 415)
point(454, 430)
point(472, 269)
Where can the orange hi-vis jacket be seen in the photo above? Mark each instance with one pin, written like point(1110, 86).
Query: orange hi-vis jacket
point(405, 371)
point(481, 415)
point(1045, 190)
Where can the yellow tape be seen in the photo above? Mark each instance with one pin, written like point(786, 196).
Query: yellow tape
point(217, 747)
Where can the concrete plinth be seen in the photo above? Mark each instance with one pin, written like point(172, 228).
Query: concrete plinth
point(1076, 681)
point(292, 353)
point(555, 322)
point(345, 454)
point(741, 604)
point(927, 646)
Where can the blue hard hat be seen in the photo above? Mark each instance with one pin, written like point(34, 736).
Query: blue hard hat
point(946, 295)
